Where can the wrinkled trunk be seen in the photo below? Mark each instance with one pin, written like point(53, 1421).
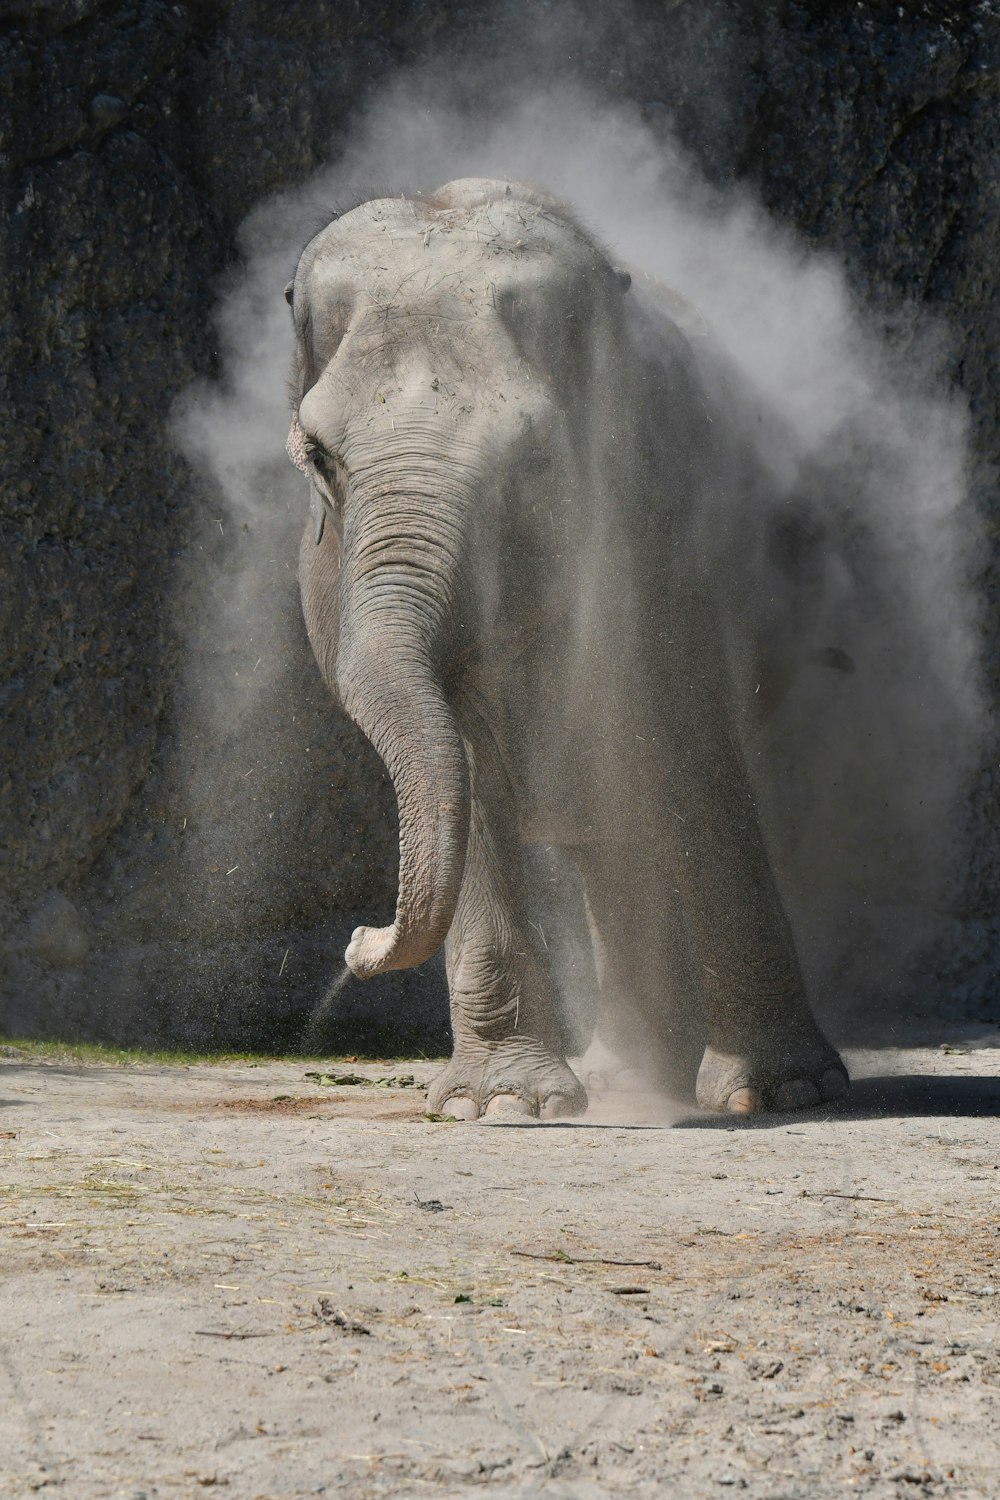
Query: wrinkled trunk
point(388, 679)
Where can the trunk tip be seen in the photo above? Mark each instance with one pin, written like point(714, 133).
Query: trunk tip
point(375, 950)
point(371, 951)
point(357, 954)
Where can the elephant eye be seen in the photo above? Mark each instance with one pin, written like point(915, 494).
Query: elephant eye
point(322, 462)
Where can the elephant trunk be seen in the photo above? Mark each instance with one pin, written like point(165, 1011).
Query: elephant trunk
point(388, 679)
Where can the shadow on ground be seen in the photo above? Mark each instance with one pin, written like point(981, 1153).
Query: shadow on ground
point(877, 1098)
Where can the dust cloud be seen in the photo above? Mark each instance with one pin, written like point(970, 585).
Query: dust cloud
point(862, 763)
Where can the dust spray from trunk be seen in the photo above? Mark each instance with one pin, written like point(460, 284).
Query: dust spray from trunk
point(862, 764)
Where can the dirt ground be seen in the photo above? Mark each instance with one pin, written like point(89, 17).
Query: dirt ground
point(240, 1279)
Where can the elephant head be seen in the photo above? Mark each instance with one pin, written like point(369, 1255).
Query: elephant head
point(418, 325)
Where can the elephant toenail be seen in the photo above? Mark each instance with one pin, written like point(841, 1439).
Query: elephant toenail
point(833, 1084)
point(558, 1107)
point(744, 1102)
point(461, 1107)
point(798, 1093)
point(507, 1104)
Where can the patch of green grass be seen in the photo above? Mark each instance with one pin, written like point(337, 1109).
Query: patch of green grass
point(29, 1049)
point(52, 1050)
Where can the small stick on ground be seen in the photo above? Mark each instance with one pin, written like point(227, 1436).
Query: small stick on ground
point(584, 1260)
point(222, 1333)
point(854, 1197)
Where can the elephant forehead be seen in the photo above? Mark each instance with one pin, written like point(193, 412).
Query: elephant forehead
point(460, 294)
point(482, 308)
point(459, 238)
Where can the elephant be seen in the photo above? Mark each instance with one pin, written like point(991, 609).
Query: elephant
point(510, 582)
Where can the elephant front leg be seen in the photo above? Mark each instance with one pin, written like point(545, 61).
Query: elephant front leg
point(508, 1055)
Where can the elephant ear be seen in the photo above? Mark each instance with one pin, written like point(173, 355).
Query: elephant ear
point(295, 447)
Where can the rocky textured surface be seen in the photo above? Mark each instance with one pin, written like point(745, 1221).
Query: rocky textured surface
point(136, 137)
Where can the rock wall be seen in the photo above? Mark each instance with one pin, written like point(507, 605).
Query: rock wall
point(135, 139)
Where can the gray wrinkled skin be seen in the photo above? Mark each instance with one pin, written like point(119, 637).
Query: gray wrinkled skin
point(509, 580)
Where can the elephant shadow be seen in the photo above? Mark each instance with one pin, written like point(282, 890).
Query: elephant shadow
point(880, 1096)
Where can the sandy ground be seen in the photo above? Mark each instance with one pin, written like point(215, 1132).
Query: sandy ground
point(242, 1280)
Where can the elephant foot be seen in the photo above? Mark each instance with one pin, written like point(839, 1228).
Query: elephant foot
point(794, 1075)
point(514, 1078)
